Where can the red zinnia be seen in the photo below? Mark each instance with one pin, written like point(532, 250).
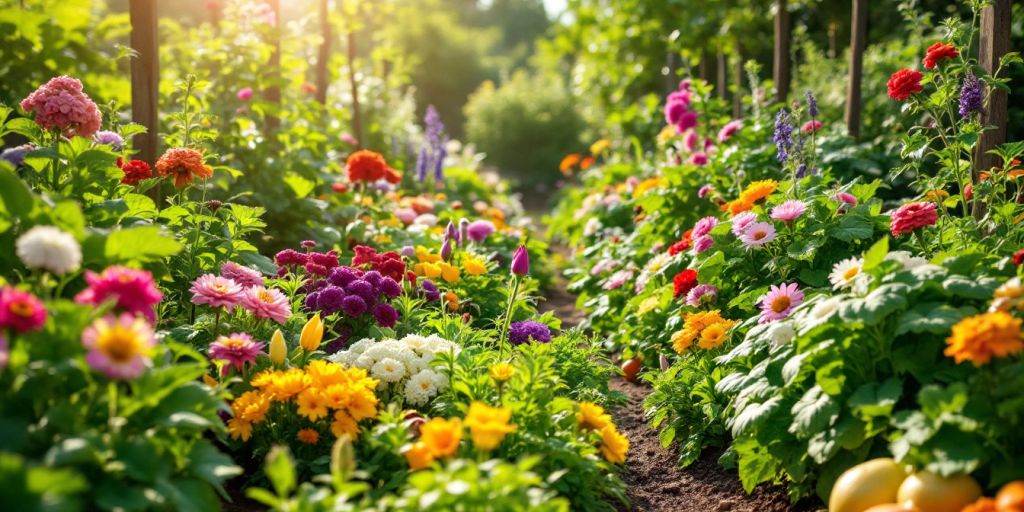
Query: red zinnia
point(939, 52)
point(134, 171)
point(683, 244)
point(366, 165)
point(684, 282)
point(1019, 257)
point(903, 83)
point(913, 216)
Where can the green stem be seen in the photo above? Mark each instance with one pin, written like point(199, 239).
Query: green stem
point(503, 334)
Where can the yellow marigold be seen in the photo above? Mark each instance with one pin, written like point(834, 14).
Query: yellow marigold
point(701, 319)
point(441, 196)
point(251, 406)
point(323, 373)
point(474, 266)
point(759, 190)
point(308, 436)
point(239, 429)
point(649, 304)
point(488, 425)
point(501, 372)
point(936, 196)
point(182, 164)
point(344, 425)
point(981, 337)
point(592, 417)
point(613, 445)
point(442, 436)
point(449, 273)
point(311, 404)
point(600, 146)
point(737, 207)
point(423, 254)
point(713, 336)
point(645, 185)
point(683, 339)
point(418, 455)
point(284, 385)
point(362, 404)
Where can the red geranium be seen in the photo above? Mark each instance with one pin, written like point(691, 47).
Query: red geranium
point(366, 165)
point(1019, 257)
point(683, 244)
point(389, 264)
point(903, 83)
point(939, 52)
point(913, 216)
point(134, 171)
point(684, 282)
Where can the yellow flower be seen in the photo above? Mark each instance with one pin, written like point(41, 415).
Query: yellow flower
point(666, 134)
point(645, 185)
point(423, 254)
point(344, 425)
point(239, 429)
point(450, 273)
point(474, 266)
point(251, 407)
point(286, 384)
point(428, 270)
point(488, 425)
point(419, 456)
point(683, 339)
point(324, 373)
point(600, 146)
point(613, 445)
point(308, 436)
point(592, 417)
point(501, 372)
point(1008, 296)
point(312, 334)
point(382, 239)
point(713, 336)
point(441, 196)
point(981, 337)
point(367, 201)
point(442, 436)
point(649, 304)
point(278, 348)
point(936, 196)
point(362, 404)
point(311, 404)
point(758, 190)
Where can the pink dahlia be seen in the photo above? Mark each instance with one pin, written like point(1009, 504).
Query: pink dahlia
point(758, 234)
point(780, 301)
point(913, 216)
point(742, 221)
point(701, 294)
point(690, 140)
point(245, 276)
point(267, 303)
point(119, 347)
point(703, 226)
point(131, 291)
point(729, 130)
point(686, 121)
point(811, 127)
point(216, 291)
point(236, 349)
point(789, 210)
point(60, 104)
point(21, 311)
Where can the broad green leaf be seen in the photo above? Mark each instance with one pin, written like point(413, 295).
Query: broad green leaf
point(141, 244)
point(876, 254)
point(280, 470)
point(852, 227)
point(813, 412)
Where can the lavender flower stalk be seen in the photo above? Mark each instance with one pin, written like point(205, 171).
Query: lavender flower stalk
point(783, 137)
point(971, 96)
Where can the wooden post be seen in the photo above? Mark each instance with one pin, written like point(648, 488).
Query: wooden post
point(781, 71)
point(357, 123)
point(994, 43)
point(145, 69)
point(737, 80)
point(723, 66)
point(672, 65)
point(273, 91)
point(324, 57)
point(858, 40)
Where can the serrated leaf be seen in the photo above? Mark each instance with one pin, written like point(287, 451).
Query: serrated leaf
point(813, 412)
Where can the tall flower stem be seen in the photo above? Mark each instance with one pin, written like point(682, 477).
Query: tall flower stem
point(503, 334)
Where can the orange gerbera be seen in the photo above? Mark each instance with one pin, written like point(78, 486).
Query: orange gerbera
point(182, 164)
point(366, 165)
point(758, 190)
point(981, 337)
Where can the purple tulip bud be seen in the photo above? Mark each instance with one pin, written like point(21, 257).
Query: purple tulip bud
point(521, 262)
point(463, 231)
point(451, 231)
point(446, 248)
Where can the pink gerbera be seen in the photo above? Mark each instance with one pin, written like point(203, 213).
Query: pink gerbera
point(132, 291)
point(267, 303)
point(701, 294)
point(789, 211)
point(21, 311)
point(780, 301)
point(913, 216)
point(216, 291)
point(119, 347)
point(236, 349)
point(758, 234)
point(244, 276)
point(703, 226)
point(742, 221)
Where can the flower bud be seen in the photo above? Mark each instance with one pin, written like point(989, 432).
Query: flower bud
point(312, 334)
point(278, 348)
point(521, 262)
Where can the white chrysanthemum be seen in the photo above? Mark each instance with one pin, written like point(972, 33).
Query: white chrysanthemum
point(344, 358)
point(363, 362)
point(421, 387)
point(821, 312)
point(388, 370)
point(905, 258)
point(845, 272)
point(49, 248)
point(440, 380)
point(781, 333)
point(415, 341)
point(360, 346)
point(659, 261)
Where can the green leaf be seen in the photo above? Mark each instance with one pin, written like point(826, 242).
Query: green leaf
point(140, 244)
point(756, 465)
point(280, 470)
point(874, 399)
point(878, 304)
point(876, 254)
point(980, 288)
point(813, 412)
point(931, 317)
point(753, 414)
point(206, 462)
point(852, 227)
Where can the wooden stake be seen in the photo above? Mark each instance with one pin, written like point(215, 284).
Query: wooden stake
point(704, 68)
point(723, 65)
point(994, 43)
point(145, 69)
point(858, 40)
point(324, 57)
point(781, 67)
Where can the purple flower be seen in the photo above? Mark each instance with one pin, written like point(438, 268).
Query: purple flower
point(408, 251)
point(373, 277)
point(527, 331)
point(702, 243)
point(521, 261)
point(446, 248)
point(479, 230)
point(701, 294)
point(430, 290)
point(16, 155)
point(463, 231)
point(311, 299)
point(342, 276)
point(390, 287)
point(109, 138)
point(433, 152)
point(353, 305)
point(742, 221)
point(783, 136)
point(362, 289)
point(330, 299)
point(971, 96)
point(812, 104)
point(386, 315)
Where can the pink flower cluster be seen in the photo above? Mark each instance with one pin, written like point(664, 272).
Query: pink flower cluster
point(60, 104)
point(316, 263)
point(21, 311)
point(132, 291)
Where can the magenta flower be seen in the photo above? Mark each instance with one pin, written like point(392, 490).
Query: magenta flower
point(758, 234)
point(119, 347)
point(528, 331)
point(704, 190)
point(699, 159)
point(686, 121)
point(702, 243)
point(266, 303)
point(60, 104)
point(479, 230)
point(236, 349)
point(789, 210)
point(703, 226)
point(244, 276)
point(386, 315)
point(741, 222)
point(21, 311)
point(780, 301)
point(674, 110)
point(132, 291)
point(811, 126)
point(690, 140)
point(729, 130)
point(216, 291)
point(521, 261)
point(701, 294)
point(5, 353)
point(245, 93)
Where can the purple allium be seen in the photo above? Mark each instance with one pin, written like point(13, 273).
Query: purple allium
point(289, 257)
point(342, 276)
point(330, 299)
point(971, 96)
point(16, 155)
point(783, 137)
point(812, 104)
point(361, 288)
point(390, 287)
point(311, 300)
point(353, 305)
point(386, 315)
point(479, 230)
point(527, 331)
point(109, 138)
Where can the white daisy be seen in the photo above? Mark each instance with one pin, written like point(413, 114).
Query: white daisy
point(49, 248)
point(821, 312)
point(421, 387)
point(907, 259)
point(845, 272)
point(781, 333)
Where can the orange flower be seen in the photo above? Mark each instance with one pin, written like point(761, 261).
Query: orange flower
point(183, 163)
point(569, 162)
point(586, 163)
point(366, 165)
point(981, 337)
point(308, 436)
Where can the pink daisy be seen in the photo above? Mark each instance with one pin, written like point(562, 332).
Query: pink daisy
point(789, 211)
point(244, 276)
point(780, 301)
point(742, 221)
point(236, 349)
point(21, 311)
point(216, 291)
point(845, 198)
point(266, 303)
point(702, 243)
point(758, 234)
point(701, 294)
point(119, 347)
point(704, 190)
point(132, 291)
point(703, 226)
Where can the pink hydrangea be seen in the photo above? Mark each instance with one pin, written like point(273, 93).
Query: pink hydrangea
point(236, 350)
point(703, 226)
point(758, 234)
point(21, 311)
point(132, 291)
point(267, 303)
point(216, 291)
point(729, 130)
point(60, 104)
point(789, 210)
point(246, 277)
point(780, 301)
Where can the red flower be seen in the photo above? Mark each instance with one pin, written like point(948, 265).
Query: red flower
point(684, 282)
point(913, 216)
point(1018, 258)
point(389, 264)
point(339, 187)
point(682, 245)
point(939, 52)
point(903, 83)
point(366, 165)
point(134, 171)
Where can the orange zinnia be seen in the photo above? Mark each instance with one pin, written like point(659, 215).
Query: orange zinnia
point(366, 165)
point(182, 164)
